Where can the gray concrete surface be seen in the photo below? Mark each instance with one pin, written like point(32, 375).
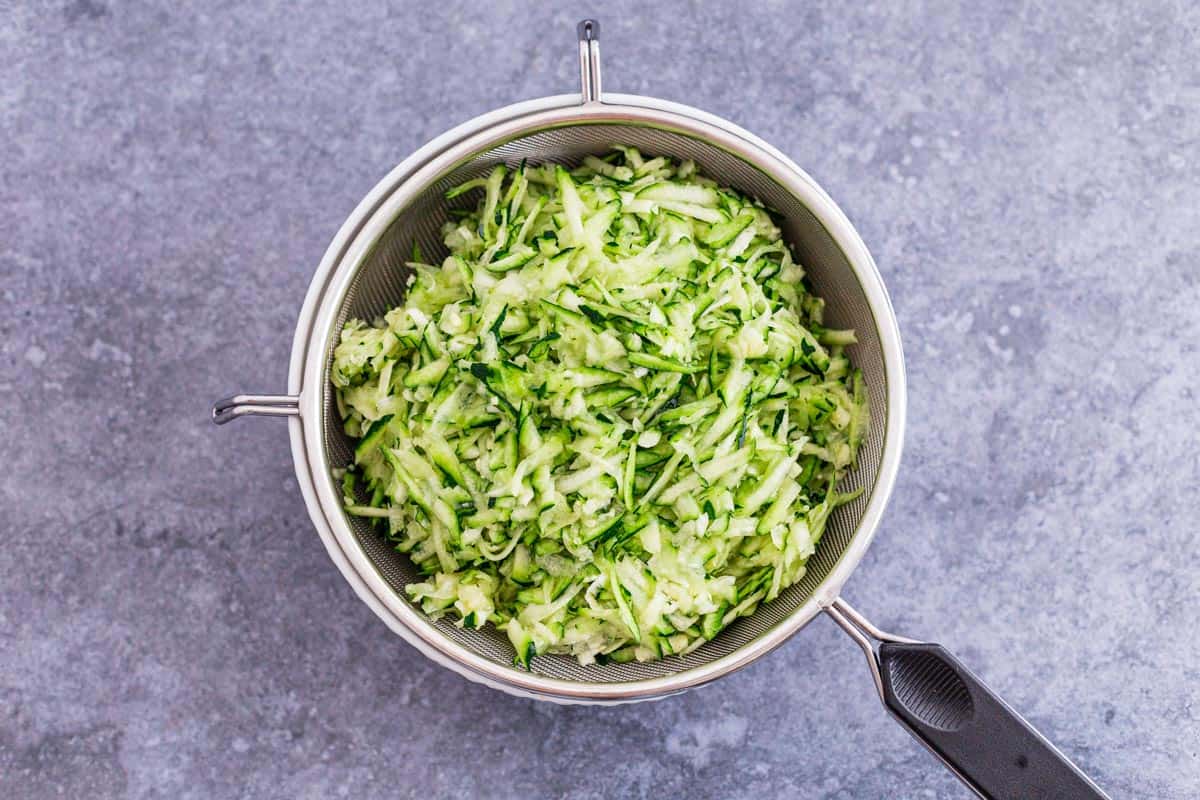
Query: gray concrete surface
point(1027, 175)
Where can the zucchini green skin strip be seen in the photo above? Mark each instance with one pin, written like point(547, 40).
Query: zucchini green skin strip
point(610, 421)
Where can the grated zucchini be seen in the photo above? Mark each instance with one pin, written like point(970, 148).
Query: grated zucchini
point(610, 421)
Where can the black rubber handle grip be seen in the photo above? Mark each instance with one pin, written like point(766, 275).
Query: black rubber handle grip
point(991, 748)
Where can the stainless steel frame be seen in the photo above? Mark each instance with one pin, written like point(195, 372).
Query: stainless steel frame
point(355, 241)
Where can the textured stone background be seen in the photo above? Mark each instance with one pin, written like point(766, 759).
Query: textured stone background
point(1028, 177)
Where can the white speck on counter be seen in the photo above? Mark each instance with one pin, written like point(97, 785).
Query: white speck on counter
point(1005, 353)
point(694, 740)
point(103, 350)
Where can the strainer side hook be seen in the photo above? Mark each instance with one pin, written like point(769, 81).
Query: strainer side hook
point(260, 405)
point(589, 60)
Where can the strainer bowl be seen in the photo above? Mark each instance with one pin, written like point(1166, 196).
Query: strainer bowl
point(370, 279)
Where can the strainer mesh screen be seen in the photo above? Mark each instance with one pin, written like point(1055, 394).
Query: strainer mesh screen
point(380, 282)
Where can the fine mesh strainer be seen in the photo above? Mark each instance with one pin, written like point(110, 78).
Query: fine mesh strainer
point(363, 275)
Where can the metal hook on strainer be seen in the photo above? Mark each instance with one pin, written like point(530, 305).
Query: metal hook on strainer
point(363, 274)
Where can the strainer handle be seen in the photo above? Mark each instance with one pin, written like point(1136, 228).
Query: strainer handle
point(947, 708)
point(263, 405)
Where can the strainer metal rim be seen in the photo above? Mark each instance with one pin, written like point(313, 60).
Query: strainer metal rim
point(369, 220)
